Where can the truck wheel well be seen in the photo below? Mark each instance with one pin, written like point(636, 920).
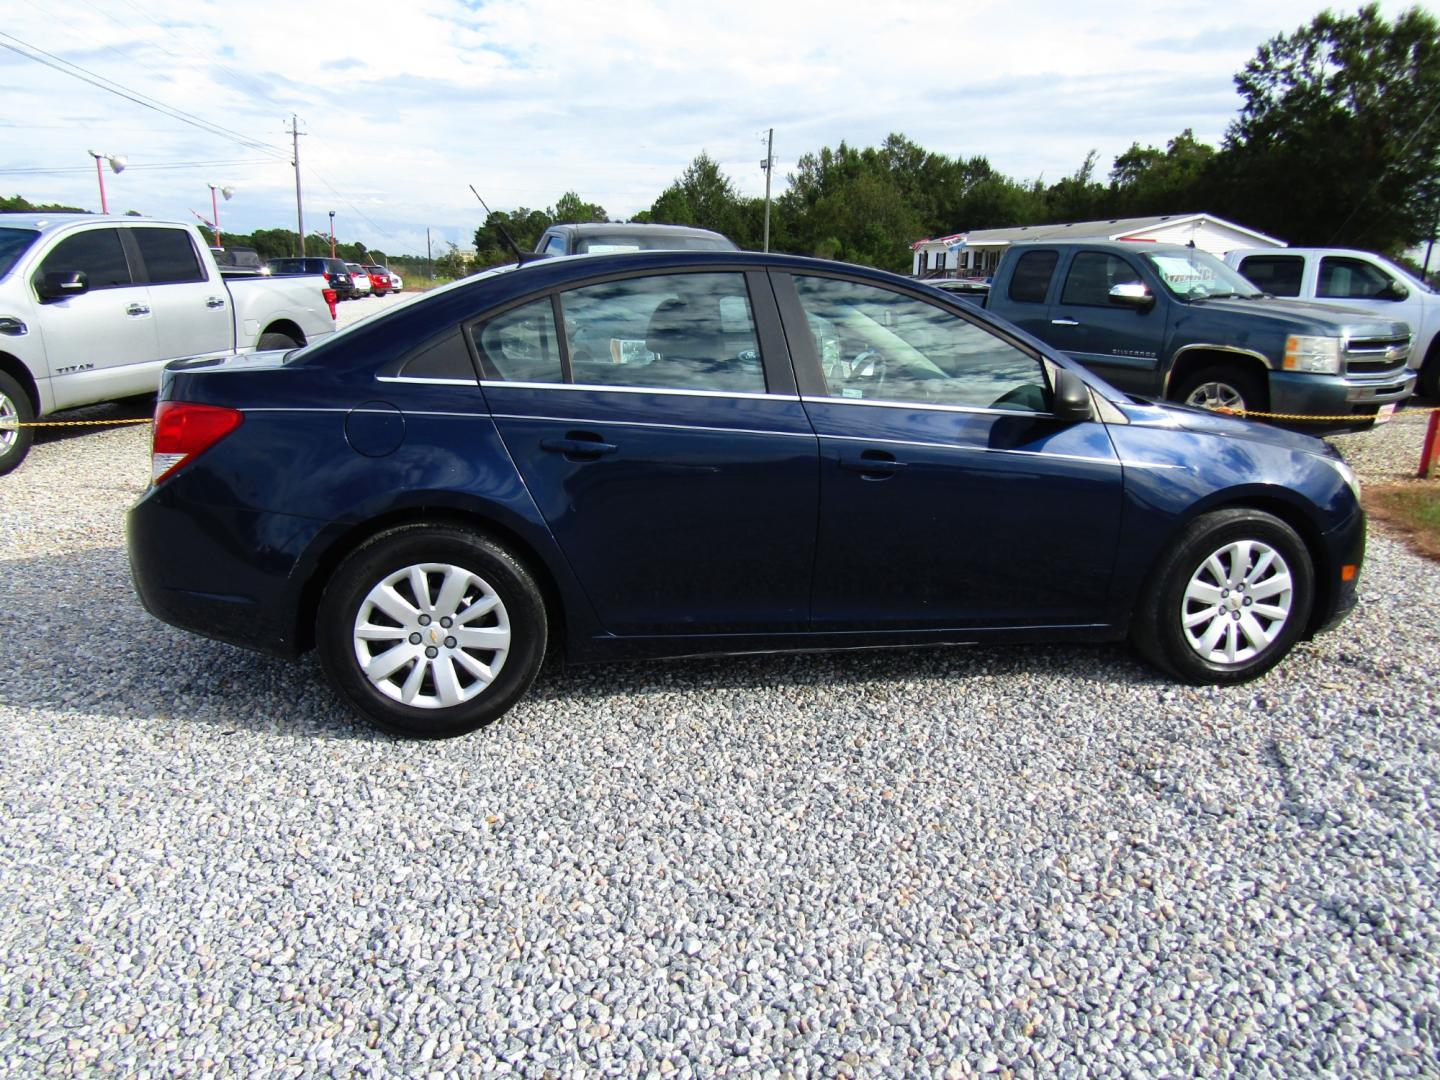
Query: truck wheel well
point(286, 327)
point(336, 553)
point(1198, 359)
point(20, 373)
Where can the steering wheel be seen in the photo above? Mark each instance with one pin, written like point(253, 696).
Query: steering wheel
point(869, 365)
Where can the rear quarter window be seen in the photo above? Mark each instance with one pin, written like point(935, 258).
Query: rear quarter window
point(1030, 281)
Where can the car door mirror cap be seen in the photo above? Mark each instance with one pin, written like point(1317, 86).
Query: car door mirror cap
point(1132, 294)
point(1072, 398)
point(60, 284)
point(1396, 290)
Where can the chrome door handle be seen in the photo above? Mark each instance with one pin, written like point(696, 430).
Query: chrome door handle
point(580, 448)
point(1063, 322)
point(214, 301)
point(137, 309)
point(872, 463)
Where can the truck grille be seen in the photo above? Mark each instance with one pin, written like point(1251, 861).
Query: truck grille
point(1367, 356)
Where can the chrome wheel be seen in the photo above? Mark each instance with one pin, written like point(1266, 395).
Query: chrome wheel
point(9, 418)
point(1216, 395)
point(432, 635)
point(1237, 602)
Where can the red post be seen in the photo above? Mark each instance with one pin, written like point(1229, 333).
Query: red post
point(1430, 451)
point(215, 216)
point(99, 172)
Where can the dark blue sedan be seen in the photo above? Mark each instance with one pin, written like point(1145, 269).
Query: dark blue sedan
point(661, 454)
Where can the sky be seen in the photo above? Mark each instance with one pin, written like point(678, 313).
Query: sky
point(405, 103)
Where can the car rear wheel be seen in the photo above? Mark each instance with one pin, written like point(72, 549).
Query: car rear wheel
point(276, 341)
point(14, 410)
point(431, 631)
point(1229, 599)
point(1217, 388)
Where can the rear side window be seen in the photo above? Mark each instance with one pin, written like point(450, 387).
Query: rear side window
point(96, 253)
point(520, 345)
point(1092, 275)
point(555, 245)
point(1031, 279)
point(1278, 275)
point(169, 256)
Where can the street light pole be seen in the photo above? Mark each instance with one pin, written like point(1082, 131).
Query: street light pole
point(117, 163)
point(332, 234)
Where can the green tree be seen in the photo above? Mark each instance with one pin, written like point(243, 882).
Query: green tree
point(451, 264)
point(702, 196)
point(18, 204)
point(1147, 180)
point(1338, 141)
point(571, 208)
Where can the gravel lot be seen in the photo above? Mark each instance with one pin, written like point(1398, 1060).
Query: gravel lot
point(1040, 860)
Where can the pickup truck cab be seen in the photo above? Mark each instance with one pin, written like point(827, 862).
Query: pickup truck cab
point(93, 307)
point(611, 236)
point(1166, 321)
point(1359, 280)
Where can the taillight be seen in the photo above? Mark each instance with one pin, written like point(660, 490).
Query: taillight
point(330, 297)
point(183, 430)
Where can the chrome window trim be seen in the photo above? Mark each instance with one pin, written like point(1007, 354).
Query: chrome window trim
point(674, 392)
point(928, 407)
point(427, 380)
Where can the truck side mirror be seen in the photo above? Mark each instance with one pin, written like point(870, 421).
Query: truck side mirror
point(1395, 290)
point(60, 284)
point(1131, 294)
point(1072, 398)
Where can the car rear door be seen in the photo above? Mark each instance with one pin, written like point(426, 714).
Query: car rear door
point(950, 496)
point(663, 440)
point(192, 312)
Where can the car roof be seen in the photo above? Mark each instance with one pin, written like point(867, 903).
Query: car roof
point(631, 228)
point(1144, 247)
point(61, 219)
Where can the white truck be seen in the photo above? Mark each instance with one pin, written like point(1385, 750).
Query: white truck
point(92, 307)
point(1353, 279)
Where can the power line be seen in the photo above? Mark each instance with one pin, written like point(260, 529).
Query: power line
point(66, 67)
point(41, 171)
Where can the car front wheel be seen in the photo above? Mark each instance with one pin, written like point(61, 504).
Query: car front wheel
point(431, 631)
point(1228, 600)
point(14, 411)
point(1228, 389)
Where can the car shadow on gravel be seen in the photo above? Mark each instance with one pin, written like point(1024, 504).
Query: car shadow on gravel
point(95, 418)
point(140, 668)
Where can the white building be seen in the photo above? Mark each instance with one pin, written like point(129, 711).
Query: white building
point(976, 253)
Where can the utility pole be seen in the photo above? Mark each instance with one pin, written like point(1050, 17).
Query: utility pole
point(299, 205)
point(768, 164)
point(429, 269)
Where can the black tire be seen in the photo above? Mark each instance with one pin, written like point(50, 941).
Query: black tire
point(1221, 381)
point(1429, 384)
point(1158, 632)
point(276, 341)
point(430, 656)
point(14, 405)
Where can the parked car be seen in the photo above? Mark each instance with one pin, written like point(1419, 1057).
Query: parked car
point(609, 237)
point(335, 272)
point(773, 453)
point(1173, 322)
point(397, 283)
point(359, 277)
point(379, 279)
point(963, 288)
point(1360, 280)
point(239, 261)
point(92, 307)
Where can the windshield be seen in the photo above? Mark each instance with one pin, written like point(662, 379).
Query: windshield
point(13, 244)
point(1197, 275)
point(642, 242)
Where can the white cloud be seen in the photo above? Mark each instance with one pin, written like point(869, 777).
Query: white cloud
point(407, 103)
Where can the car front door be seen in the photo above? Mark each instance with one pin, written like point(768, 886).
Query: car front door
point(192, 313)
point(1120, 343)
point(663, 440)
point(950, 496)
point(98, 344)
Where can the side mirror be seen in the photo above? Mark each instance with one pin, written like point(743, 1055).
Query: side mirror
point(60, 284)
point(1395, 290)
point(1072, 398)
point(1131, 294)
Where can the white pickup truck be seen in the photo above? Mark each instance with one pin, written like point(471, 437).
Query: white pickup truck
point(1353, 279)
point(92, 307)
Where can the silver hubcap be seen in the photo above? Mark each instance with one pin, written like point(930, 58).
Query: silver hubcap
point(432, 635)
point(1237, 602)
point(9, 417)
point(1216, 395)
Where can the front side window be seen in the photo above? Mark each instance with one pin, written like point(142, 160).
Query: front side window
point(1278, 275)
point(169, 256)
point(1093, 274)
point(1031, 279)
point(1197, 275)
point(681, 331)
point(875, 344)
point(96, 253)
point(520, 345)
point(1352, 279)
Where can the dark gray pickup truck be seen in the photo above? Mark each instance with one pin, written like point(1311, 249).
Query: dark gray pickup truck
point(1166, 321)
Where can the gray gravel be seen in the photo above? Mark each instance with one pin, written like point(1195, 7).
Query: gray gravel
point(936, 863)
